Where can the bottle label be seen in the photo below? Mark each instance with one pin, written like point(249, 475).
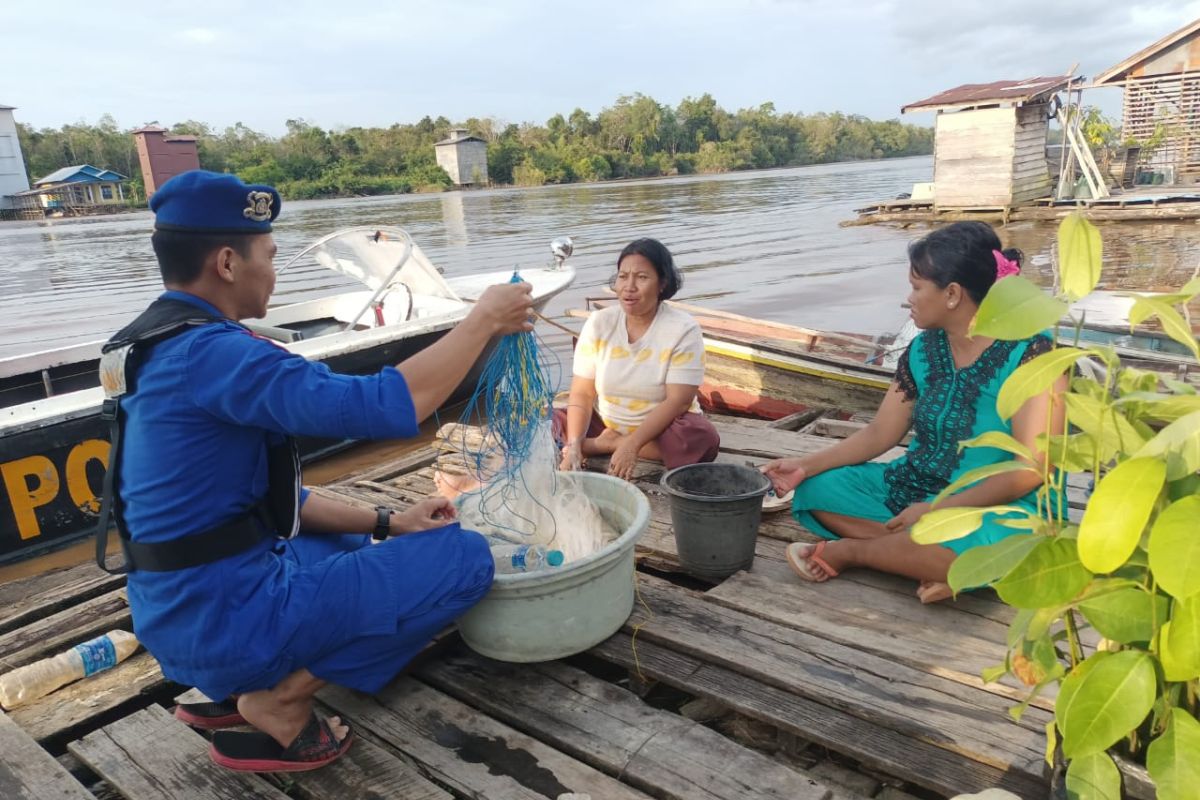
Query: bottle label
point(519, 556)
point(98, 654)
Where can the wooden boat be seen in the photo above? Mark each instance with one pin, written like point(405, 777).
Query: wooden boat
point(54, 447)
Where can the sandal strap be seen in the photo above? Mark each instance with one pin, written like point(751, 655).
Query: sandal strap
point(315, 743)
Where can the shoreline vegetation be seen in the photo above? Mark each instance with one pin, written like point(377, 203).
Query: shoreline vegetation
point(636, 137)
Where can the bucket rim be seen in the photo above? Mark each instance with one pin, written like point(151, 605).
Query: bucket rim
point(611, 551)
point(672, 491)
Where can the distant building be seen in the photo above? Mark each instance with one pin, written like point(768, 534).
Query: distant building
point(1162, 102)
point(989, 143)
point(12, 165)
point(163, 156)
point(464, 157)
point(70, 191)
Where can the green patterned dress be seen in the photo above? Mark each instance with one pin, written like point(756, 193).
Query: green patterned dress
point(949, 405)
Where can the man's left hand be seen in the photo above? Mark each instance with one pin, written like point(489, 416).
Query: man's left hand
point(432, 512)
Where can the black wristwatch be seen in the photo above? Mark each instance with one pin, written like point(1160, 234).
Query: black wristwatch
point(383, 523)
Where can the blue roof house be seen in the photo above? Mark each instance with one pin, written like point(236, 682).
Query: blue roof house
point(74, 190)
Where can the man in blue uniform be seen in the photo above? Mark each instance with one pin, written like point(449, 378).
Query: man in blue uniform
point(206, 497)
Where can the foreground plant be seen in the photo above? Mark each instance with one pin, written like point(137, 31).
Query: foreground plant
point(1130, 569)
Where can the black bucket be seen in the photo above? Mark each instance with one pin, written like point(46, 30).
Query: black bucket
point(715, 511)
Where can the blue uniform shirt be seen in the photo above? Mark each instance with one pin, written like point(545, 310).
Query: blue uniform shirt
point(206, 404)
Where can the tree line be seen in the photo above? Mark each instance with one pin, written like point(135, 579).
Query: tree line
point(635, 137)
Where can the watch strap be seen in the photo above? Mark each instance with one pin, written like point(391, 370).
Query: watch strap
point(383, 523)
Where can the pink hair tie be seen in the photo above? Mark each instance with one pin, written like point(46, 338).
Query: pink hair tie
point(1005, 266)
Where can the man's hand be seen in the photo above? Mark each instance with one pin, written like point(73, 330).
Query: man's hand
point(505, 308)
point(432, 512)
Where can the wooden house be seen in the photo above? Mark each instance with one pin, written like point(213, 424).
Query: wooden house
point(1162, 103)
point(989, 145)
point(464, 157)
point(81, 189)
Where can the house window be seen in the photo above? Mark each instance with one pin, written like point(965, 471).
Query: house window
point(106, 191)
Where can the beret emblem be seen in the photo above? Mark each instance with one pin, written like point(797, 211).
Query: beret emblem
point(258, 206)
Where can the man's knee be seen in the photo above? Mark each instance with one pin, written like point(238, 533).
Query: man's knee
point(478, 567)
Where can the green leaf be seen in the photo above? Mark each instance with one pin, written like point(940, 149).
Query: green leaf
point(1079, 256)
point(1126, 615)
point(1101, 420)
point(980, 473)
point(1175, 668)
point(1130, 380)
point(1015, 308)
point(1172, 321)
point(1173, 759)
point(1097, 706)
point(1050, 575)
point(948, 524)
point(1093, 777)
point(1175, 548)
point(1075, 452)
point(1163, 407)
point(1034, 376)
point(993, 674)
point(1184, 639)
point(1180, 442)
point(1117, 512)
point(1001, 441)
point(1191, 288)
point(1178, 386)
point(982, 566)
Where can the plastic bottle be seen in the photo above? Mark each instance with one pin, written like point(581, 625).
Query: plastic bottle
point(28, 683)
point(525, 558)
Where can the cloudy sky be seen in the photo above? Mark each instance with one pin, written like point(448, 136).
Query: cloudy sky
point(335, 64)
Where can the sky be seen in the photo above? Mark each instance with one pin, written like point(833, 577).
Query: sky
point(343, 64)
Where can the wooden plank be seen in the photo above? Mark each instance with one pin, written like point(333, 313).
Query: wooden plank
point(28, 599)
point(79, 702)
point(366, 771)
point(874, 747)
point(972, 723)
point(152, 756)
point(61, 630)
point(467, 751)
point(27, 772)
point(661, 753)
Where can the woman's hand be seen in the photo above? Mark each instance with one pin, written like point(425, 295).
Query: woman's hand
point(432, 512)
point(908, 517)
point(624, 459)
point(785, 474)
point(572, 458)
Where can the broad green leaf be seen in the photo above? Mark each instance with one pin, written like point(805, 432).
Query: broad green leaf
point(1172, 321)
point(1136, 380)
point(1002, 441)
point(1079, 256)
point(947, 524)
point(1097, 706)
point(1015, 308)
point(1178, 386)
point(1077, 451)
point(1191, 288)
point(1088, 387)
point(981, 473)
point(1051, 742)
point(1173, 759)
point(1034, 377)
point(1163, 407)
point(1126, 615)
point(1180, 442)
point(1175, 548)
point(981, 566)
point(1093, 777)
point(1019, 626)
point(1181, 488)
point(1050, 575)
point(1117, 512)
point(993, 674)
point(1184, 638)
point(1101, 420)
point(1175, 668)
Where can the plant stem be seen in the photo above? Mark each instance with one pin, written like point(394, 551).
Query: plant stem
point(1076, 651)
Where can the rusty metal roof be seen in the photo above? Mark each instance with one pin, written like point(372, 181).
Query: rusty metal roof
point(978, 94)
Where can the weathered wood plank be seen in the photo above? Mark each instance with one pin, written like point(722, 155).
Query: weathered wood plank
point(151, 756)
point(466, 750)
point(28, 599)
point(86, 699)
point(610, 728)
point(970, 722)
point(873, 746)
point(366, 771)
point(27, 772)
point(61, 630)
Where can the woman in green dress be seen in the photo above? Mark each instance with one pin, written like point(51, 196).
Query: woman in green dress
point(945, 391)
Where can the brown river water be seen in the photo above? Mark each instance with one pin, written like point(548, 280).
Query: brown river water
point(766, 244)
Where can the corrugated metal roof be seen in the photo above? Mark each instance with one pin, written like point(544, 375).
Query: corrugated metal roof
point(1117, 74)
point(976, 94)
point(87, 170)
point(456, 141)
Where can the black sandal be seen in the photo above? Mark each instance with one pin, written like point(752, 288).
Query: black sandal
point(315, 747)
point(210, 715)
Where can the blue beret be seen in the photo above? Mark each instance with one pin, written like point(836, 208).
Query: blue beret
point(214, 202)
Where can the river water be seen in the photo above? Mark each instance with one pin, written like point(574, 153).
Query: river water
point(767, 244)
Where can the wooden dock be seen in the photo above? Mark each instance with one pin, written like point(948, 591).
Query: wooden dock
point(763, 686)
point(1134, 206)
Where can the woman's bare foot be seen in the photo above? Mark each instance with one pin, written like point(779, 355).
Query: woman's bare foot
point(934, 591)
point(604, 444)
point(282, 712)
point(450, 485)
